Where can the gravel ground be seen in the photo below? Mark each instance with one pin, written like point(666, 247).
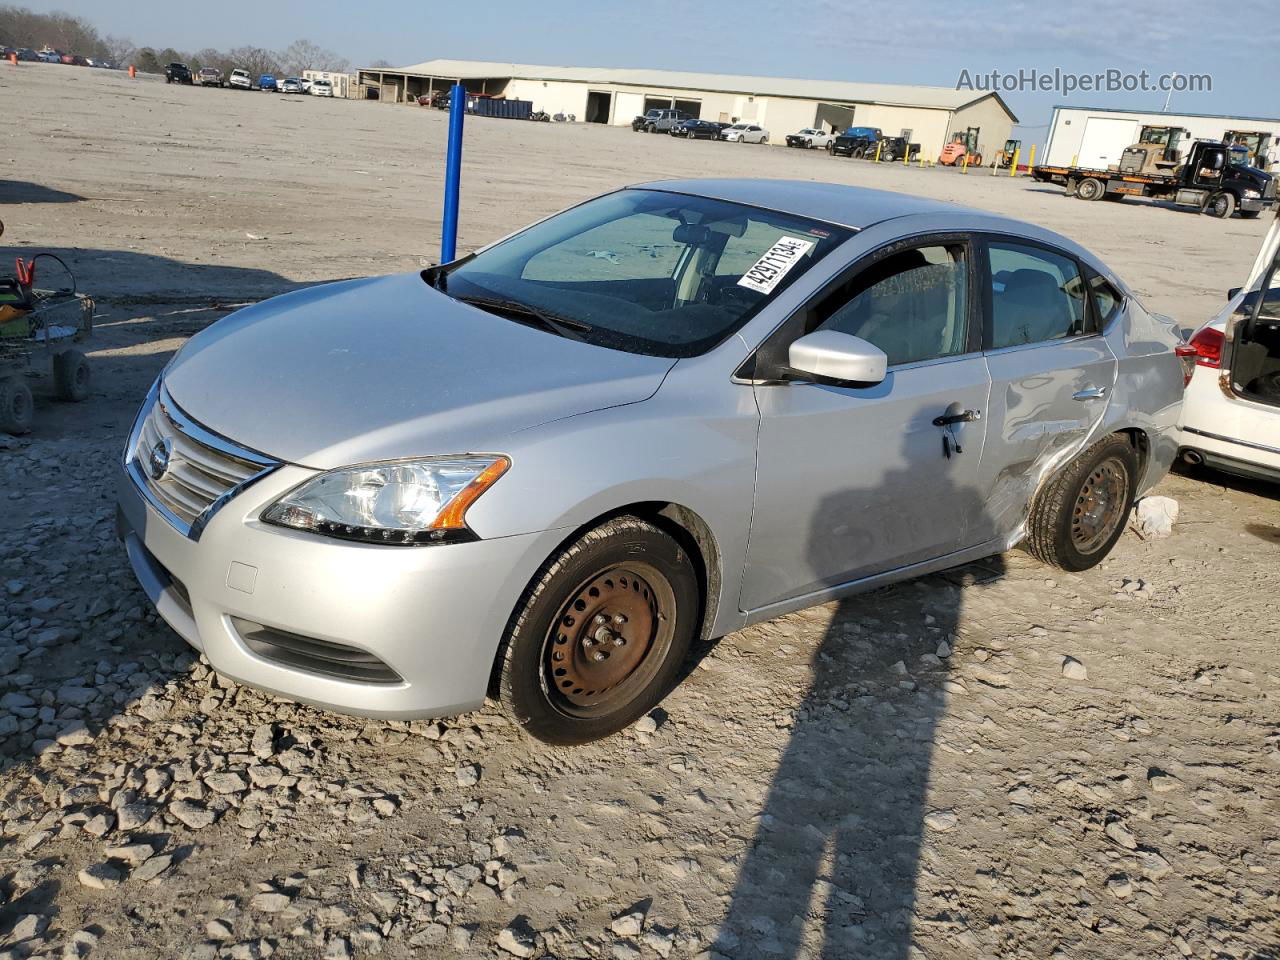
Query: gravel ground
point(919, 772)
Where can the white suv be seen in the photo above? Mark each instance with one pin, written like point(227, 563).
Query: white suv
point(321, 88)
point(1231, 412)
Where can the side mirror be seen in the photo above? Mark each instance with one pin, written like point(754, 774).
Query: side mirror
point(840, 357)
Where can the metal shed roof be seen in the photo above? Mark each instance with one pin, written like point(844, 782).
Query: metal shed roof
point(836, 91)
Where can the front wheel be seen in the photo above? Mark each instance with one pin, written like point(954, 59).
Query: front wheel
point(1079, 514)
point(1222, 205)
point(600, 634)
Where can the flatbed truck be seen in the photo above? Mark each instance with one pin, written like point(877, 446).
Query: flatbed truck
point(1208, 179)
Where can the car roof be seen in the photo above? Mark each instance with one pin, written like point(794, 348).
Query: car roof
point(861, 207)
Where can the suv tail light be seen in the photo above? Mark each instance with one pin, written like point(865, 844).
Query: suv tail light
point(1204, 350)
point(1207, 344)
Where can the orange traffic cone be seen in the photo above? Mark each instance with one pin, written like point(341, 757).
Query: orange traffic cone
point(133, 71)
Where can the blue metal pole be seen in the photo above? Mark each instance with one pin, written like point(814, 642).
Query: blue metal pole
point(453, 174)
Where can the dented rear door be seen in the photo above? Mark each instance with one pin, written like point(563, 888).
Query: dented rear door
point(1052, 373)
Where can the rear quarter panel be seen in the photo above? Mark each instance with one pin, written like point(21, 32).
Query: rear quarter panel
point(1149, 389)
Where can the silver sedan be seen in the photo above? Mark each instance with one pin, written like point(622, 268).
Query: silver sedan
point(541, 471)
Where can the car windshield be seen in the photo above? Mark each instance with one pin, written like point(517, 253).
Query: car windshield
point(645, 271)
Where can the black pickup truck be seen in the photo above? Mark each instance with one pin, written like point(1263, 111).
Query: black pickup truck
point(895, 148)
point(178, 73)
point(856, 142)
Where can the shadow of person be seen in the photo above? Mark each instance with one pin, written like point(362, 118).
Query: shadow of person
point(832, 869)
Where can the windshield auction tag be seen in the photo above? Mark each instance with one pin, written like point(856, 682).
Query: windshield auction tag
point(776, 263)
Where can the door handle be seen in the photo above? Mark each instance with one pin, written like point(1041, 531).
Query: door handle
point(1090, 393)
point(964, 416)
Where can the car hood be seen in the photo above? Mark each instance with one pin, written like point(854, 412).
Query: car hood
point(386, 368)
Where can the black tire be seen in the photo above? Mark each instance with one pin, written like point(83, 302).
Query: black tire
point(1250, 214)
point(17, 409)
point(1064, 528)
point(71, 376)
point(858, 153)
point(1090, 188)
point(831, 148)
point(1221, 205)
point(550, 657)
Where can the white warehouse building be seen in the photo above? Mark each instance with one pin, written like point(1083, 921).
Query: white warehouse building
point(1095, 137)
point(929, 116)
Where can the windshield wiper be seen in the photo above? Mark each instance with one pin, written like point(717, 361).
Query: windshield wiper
point(523, 312)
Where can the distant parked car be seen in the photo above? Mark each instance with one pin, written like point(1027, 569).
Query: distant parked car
point(266, 82)
point(50, 56)
point(240, 80)
point(178, 73)
point(856, 142)
point(696, 130)
point(810, 138)
point(210, 77)
point(895, 148)
point(321, 88)
point(292, 85)
point(306, 84)
point(642, 121)
point(746, 133)
point(27, 55)
point(665, 120)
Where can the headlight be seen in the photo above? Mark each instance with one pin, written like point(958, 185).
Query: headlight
point(1252, 194)
point(403, 503)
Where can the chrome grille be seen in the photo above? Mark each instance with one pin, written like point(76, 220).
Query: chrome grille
point(185, 470)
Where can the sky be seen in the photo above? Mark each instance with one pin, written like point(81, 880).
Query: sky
point(925, 41)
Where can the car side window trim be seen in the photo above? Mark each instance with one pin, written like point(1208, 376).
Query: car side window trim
point(772, 348)
point(981, 244)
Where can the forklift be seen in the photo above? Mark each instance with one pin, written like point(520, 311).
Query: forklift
point(1004, 157)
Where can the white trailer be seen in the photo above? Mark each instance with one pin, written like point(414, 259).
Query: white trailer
point(1095, 137)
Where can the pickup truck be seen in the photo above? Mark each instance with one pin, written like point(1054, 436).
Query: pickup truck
point(895, 148)
point(856, 142)
point(210, 77)
point(240, 79)
point(178, 73)
point(810, 138)
point(659, 121)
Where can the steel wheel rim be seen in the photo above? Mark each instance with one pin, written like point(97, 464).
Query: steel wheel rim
point(594, 663)
point(1099, 507)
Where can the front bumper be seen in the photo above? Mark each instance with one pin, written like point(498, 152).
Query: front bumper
point(433, 615)
point(1256, 204)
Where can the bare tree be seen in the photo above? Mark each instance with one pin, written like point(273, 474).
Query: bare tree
point(120, 50)
point(254, 59)
point(380, 64)
point(304, 55)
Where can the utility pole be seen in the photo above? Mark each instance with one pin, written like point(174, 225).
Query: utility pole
point(1169, 96)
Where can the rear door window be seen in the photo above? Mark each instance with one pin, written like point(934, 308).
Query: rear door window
point(1037, 296)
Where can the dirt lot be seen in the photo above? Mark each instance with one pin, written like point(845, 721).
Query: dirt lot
point(905, 774)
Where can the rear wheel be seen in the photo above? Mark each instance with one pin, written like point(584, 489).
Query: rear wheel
point(1222, 205)
point(17, 409)
point(1079, 515)
point(1090, 188)
point(600, 634)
